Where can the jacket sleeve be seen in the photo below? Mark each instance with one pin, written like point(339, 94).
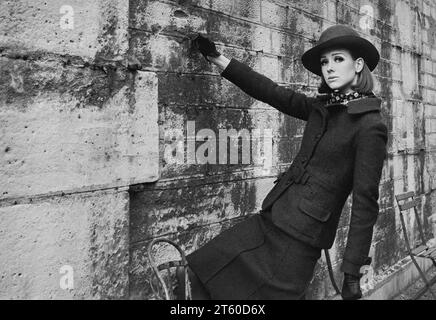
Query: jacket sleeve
point(260, 87)
point(370, 153)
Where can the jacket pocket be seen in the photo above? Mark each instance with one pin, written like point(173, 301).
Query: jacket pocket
point(310, 219)
point(321, 199)
point(310, 208)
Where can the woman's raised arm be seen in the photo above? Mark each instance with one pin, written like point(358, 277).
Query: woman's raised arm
point(262, 88)
point(256, 85)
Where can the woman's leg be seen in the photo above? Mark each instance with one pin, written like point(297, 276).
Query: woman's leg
point(252, 260)
point(292, 274)
point(293, 267)
point(224, 265)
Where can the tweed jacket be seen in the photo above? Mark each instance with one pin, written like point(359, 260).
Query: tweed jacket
point(342, 151)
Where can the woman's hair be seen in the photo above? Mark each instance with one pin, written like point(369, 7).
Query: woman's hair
point(365, 81)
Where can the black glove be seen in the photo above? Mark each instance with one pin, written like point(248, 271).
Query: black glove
point(205, 46)
point(351, 287)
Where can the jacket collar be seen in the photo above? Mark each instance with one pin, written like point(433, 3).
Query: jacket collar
point(356, 106)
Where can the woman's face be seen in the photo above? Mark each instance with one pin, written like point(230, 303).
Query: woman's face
point(339, 69)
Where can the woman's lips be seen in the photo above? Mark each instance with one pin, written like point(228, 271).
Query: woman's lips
point(333, 79)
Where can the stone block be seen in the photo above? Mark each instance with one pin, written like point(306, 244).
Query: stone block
point(65, 128)
point(89, 29)
point(71, 247)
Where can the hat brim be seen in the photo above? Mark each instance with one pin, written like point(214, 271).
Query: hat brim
point(362, 47)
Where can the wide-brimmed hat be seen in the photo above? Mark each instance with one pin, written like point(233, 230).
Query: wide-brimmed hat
point(340, 36)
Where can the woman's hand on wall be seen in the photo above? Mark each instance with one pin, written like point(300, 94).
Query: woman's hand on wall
point(208, 49)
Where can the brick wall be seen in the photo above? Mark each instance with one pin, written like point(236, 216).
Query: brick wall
point(193, 203)
point(88, 141)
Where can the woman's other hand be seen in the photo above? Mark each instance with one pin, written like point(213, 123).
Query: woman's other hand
point(351, 287)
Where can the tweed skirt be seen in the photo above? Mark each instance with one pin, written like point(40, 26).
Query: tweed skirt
point(255, 260)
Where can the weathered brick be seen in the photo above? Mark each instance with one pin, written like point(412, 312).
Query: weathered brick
point(409, 68)
point(431, 140)
point(274, 14)
point(404, 15)
point(248, 9)
point(430, 111)
point(428, 95)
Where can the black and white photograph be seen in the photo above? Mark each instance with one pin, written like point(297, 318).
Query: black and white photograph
point(201, 151)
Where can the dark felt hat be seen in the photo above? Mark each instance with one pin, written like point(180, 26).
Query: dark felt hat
point(340, 36)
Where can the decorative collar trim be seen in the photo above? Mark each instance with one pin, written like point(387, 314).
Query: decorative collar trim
point(356, 102)
point(342, 98)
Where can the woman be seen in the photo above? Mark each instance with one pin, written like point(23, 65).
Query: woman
point(272, 255)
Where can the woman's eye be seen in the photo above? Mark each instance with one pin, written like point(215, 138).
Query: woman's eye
point(323, 62)
point(339, 59)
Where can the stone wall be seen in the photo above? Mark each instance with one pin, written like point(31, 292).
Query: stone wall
point(78, 127)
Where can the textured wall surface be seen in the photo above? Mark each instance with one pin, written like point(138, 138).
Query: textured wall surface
point(94, 154)
point(78, 126)
point(87, 232)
